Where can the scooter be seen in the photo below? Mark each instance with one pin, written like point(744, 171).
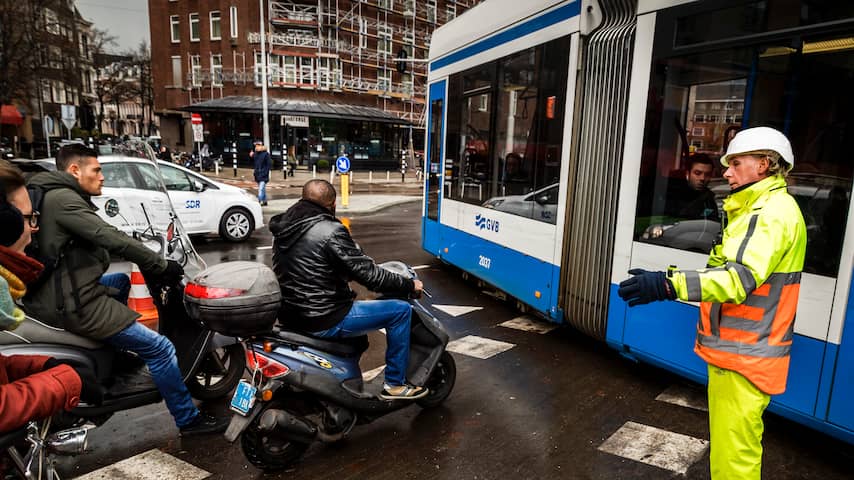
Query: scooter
point(211, 365)
point(305, 389)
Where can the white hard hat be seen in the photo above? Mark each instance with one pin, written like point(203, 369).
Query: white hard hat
point(759, 138)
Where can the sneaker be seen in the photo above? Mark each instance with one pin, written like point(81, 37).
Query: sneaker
point(205, 423)
point(402, 392)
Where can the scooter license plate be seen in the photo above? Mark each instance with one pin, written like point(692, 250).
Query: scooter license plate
point(244, 398)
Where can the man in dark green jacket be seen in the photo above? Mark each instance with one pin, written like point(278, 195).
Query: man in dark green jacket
point(74, 238)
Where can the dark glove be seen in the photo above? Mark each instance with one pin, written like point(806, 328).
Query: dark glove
point(90, 391)
point(174, 270)
point(645, 287)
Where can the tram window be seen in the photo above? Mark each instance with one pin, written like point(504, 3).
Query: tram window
point(800, 86)
point(504, 136)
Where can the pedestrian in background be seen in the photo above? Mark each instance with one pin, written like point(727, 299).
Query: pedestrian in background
point(748, 294)
point(263, 165)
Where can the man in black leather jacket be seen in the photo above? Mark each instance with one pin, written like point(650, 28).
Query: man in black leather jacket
point(314, 258)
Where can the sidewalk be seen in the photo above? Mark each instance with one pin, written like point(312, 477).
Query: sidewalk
point(370, 191)
point(246, 179)
point(359, 204)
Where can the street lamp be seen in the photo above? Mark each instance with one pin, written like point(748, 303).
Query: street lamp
point(266, 126)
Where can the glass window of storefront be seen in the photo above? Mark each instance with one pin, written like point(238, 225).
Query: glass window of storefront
point(799, 83)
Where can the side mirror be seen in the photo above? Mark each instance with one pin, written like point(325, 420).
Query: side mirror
point(199, 186)
point(542, 199)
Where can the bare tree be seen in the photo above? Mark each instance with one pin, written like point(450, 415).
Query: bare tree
point(101, 40)
point(23, 41)
point(142, 89)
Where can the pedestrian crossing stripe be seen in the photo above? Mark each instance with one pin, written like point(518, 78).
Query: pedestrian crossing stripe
point(656, 447)
point(151, 465)
point(528, 323)
point(456, 310)
point(685, 397)
point(478, 347)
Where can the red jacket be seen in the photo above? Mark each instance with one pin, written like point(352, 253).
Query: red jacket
point(28, 393)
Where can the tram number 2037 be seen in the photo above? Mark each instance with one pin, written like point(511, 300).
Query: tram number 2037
point(484, 262)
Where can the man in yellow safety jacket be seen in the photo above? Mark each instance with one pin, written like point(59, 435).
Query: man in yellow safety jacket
point(748, 295)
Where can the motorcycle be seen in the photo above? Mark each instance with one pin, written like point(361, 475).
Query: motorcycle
point(304, 388)
point(211, 364)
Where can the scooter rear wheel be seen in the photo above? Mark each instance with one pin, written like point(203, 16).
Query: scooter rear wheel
point(218, 374)
point(268, 450)
point(440, 383)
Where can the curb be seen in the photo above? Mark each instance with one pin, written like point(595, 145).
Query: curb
point(342, 210)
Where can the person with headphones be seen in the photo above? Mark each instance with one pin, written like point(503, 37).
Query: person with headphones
point(31, 386)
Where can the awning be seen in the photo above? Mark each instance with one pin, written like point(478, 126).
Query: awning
point(10, 115)
point(283, 106)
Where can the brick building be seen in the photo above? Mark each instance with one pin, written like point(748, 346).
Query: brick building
point(333, 82)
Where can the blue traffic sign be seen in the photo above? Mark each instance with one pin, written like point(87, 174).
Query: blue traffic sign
point(342, 164)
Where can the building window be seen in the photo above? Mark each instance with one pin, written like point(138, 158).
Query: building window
point(232, 21)
point(363, 33)
point(216, 22)
point(450, 12)
point(698, 132)
point(175, 28)
point(306, 71)
point(216, 70)
point(58, 91)
point(407, 83)
point(409, 8)
point(431, 11)
point(194, 27)
point(289, 70)
point(384, 34)
point(196, 70)
point(699, 117)
point(46, 90)
point(258, 74)
point(386, 4)
point(384, 79)
point(409, 38)
point(51, 21)
point(177, 75)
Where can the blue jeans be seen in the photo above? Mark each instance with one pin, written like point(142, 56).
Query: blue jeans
point(159, 354)
point(371, 315)
point(120, 282)
point(262, 191)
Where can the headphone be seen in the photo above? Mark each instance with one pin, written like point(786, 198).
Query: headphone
point(11, 220)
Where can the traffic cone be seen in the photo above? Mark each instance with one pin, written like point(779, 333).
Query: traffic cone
point(140, 300)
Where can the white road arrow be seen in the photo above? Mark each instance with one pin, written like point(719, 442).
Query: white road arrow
point(457, 310)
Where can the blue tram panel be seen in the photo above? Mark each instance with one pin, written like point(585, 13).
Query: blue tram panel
point(489, 157)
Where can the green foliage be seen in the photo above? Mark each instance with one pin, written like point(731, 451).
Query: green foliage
point(323, 164)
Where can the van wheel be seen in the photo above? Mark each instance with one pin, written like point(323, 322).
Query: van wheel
point(218, 374)
point(236, 225)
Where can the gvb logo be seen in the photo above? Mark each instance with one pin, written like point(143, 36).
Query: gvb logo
point(484, 223)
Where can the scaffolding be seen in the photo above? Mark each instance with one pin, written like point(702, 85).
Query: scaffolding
point(350, 46)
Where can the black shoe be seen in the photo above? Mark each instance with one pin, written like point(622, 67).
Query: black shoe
point(205, 423)
point(263, 204)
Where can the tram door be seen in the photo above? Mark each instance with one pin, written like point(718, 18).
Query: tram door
point(433, 173)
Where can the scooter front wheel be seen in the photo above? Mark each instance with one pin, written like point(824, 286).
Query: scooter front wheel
point(440, 383)
point(270, 451)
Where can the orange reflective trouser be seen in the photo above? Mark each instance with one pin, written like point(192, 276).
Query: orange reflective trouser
point(735, 425)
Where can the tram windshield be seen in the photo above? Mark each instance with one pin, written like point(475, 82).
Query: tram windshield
point(700, 99)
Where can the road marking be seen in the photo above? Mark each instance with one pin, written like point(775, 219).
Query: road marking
point(528, 323)
point(457, 310)
point(372, 374)
point(268, 247)
point(656, 447)
point(420, 267)
point(478, 347)
point(685, 397)
point(150, 465)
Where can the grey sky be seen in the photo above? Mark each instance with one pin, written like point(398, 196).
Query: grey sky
point(127, 20)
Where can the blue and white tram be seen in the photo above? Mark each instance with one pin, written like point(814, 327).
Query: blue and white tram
point(561, 137)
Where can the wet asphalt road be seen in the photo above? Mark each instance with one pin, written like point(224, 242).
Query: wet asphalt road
point(538, 410)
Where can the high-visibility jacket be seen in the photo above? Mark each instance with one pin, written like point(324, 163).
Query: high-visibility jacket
point(749, 290)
